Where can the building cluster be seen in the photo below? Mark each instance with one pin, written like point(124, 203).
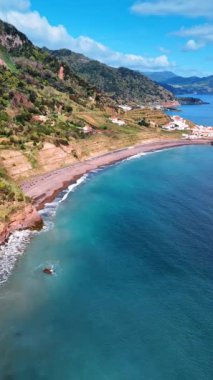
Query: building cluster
point(177, 123)
point(200, 132)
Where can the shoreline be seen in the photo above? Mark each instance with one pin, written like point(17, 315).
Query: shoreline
point(44, 188)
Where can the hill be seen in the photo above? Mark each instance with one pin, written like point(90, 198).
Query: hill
point(192, 85)
point(160, 76)
point(41, 102)
point(51, 117)
point(121, 84)
point(183, 85)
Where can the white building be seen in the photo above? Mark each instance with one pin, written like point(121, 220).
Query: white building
point(169, 127)
point(117, 121)
point(126, 108)
point(177, 123)
point(180, 123)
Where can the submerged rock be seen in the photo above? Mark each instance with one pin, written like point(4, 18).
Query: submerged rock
point(48, 271)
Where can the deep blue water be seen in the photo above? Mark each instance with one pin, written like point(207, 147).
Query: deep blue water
point(133, 294)
point(202, 114)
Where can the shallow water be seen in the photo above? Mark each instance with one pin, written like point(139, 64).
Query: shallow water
point(131, 298)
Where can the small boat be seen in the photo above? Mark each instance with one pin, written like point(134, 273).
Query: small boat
point(48, 271)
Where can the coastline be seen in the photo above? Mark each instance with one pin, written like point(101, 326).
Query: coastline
point(44, 188)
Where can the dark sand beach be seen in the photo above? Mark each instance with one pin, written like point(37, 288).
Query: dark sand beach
point(44, 188)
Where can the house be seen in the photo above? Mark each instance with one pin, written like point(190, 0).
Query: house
point(169, 127)
point(40, 118)
point(180, 123)
point(117, 121)
point(126, 108)
point(201, 132)
point(177, 123)
point(87, 129)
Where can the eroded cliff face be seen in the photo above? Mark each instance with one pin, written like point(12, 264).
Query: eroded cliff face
point(27, 218)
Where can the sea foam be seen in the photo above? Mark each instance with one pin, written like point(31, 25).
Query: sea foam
point(17, 243)
point(11, 251)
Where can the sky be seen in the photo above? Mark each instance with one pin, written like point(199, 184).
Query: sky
point(150, 35)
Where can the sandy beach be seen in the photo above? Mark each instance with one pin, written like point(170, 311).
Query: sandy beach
point(44, 188)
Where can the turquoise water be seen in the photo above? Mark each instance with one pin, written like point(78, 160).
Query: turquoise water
point(202, 114)
point(132, 295)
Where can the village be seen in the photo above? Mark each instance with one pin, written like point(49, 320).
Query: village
point(177, 123)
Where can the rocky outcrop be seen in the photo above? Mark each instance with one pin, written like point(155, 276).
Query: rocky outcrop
point(2, 63)
point(11, 38)
point(28, 218)
point(61, 73)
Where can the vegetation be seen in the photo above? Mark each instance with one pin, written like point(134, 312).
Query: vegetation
point(11, 196)
point(124, 84)
point(44, 100)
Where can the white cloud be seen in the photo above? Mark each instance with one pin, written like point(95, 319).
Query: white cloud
point(37, 27)
point(192, 45)
point(199, 36)
point(203, 32)
point(42, 33)
point(188, 8)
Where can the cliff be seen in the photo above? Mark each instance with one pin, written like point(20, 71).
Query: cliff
point(26, 218)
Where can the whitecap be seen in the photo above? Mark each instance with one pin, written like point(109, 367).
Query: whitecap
point(16, 245)
point(11, 251)
point(135, 156)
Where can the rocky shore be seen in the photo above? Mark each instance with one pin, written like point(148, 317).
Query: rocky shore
point(28, 218)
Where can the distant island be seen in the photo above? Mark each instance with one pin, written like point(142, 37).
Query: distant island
point(190, 101)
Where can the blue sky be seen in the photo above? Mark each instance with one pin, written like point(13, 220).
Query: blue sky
point(146, 35)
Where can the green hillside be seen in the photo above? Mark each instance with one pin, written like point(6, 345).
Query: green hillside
point(121, 84)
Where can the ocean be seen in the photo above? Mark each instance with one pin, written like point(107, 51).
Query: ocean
point(132, 293)
point(200, 114)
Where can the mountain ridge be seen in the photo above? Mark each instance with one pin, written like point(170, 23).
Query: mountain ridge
point(122, 84)
point(183, 85)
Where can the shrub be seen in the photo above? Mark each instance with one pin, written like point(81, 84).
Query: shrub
point(23, 117)
point(143, 123)
point(4, 116)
